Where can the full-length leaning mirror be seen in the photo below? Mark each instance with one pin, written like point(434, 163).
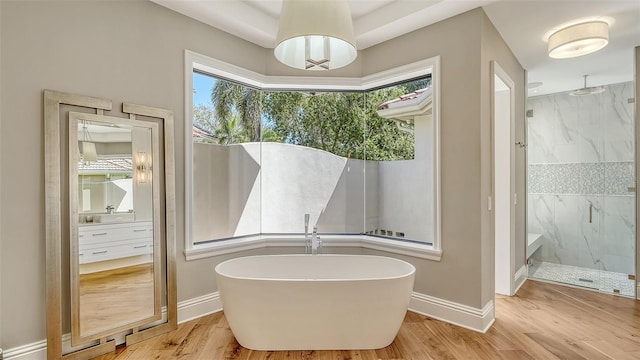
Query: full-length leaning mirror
point(111, 272)
point(114, 228)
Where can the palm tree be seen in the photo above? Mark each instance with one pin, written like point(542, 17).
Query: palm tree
point(235, 102)
point(230, 132)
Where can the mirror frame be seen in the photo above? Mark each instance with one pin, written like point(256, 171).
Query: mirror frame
point(53, 146)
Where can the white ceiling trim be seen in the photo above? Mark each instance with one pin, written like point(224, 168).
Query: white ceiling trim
point(233, 72)
point(251, 21)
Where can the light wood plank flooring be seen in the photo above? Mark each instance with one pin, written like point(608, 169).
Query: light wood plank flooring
point(543, 321)
point(114, 297)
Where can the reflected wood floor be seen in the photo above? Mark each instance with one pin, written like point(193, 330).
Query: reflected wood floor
point(114, 297)
point(543, 321)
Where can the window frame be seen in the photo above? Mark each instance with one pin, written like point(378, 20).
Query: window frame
point(221, 69)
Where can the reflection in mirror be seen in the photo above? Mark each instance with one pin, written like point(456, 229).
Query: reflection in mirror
point(113, 230)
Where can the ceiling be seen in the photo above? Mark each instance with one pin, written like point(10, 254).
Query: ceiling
point(522, 23)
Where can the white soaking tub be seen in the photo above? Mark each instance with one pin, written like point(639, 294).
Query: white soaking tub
point(319, 302)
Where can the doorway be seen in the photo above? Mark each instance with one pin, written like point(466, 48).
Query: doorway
point(503, 126)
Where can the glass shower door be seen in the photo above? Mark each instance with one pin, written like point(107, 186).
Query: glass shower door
point(581, 195)
point(590, 204)
point(617, 218)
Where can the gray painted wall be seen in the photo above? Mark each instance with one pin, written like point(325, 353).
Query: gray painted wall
point(125, 51)
point(466, 44)
point(133, 51)
point(494, 48)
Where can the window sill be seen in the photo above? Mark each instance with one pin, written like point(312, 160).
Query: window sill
point(417, 250)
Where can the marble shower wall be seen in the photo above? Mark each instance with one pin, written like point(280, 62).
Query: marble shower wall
point(581, 169)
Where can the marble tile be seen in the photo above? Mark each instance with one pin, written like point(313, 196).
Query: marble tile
point(590, 126)
point(542, 218)
point(619, 150)
point(618, 228)
point(582, 129)
point(533, 225)
point(539, 128)
point(590, 216)
point(540, 213)
point(617, 115)
point(590, 148)
point(619, 264)
point(566, 153)
point(564, 112)
point(566, 219)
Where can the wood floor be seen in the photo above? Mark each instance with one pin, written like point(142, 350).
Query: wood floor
point(543, 321)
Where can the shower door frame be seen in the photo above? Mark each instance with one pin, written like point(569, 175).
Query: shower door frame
point(637, 152)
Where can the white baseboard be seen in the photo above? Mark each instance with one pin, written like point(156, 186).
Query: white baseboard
point(33, 351)
point(199, 307)
point(519, 278)
point(187, 310)
point(457, 314)
point(462, 315)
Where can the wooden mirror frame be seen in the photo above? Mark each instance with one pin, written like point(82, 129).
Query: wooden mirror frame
point(53, 221)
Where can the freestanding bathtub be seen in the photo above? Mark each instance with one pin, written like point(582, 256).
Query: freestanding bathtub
point(319, 302)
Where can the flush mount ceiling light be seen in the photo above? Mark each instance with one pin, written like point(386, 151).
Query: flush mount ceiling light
point(587, 90)
point(579, 39)
point(315, 35)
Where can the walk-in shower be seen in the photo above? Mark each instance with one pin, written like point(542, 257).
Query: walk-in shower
point(581, 188)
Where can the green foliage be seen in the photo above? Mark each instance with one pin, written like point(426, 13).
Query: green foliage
point(343, 123)
point(241, 103)
point(415, 85)
point(384, 141)
point(204, 117)
point(230, 132)
point(328, 121)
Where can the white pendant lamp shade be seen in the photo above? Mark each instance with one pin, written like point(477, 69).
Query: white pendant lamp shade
point(577, 40)
point(89, 151)
point(315, 35)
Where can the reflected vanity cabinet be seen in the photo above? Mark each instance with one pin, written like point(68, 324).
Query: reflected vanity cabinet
point(114, 241)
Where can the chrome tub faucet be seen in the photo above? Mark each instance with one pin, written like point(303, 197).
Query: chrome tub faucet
point(312, 243)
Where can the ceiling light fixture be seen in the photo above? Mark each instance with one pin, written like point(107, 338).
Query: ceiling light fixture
point(579, 39)
point(587, 90)
point(315, 35)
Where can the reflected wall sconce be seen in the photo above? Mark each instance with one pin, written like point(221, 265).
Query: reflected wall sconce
point(579, 39)
point(315, 35)
point(143, 164)
point(89, 152)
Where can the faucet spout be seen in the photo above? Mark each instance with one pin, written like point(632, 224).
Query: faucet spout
point(312, 242)
point(316, 243)
point(307, 239)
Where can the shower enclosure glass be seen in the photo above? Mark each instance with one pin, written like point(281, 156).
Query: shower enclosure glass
point(581, 188)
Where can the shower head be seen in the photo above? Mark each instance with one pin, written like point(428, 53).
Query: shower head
point(585, 91)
